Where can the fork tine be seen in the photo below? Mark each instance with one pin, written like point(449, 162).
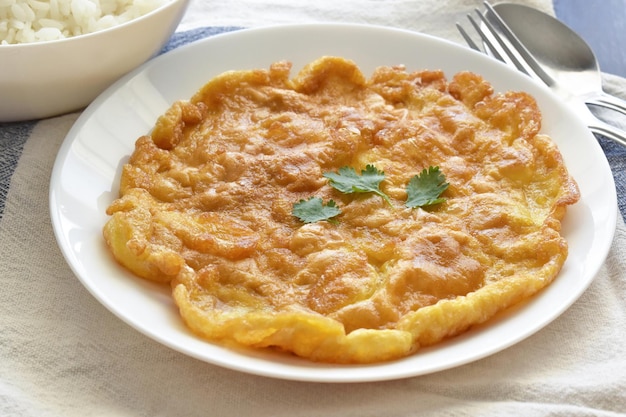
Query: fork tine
point(503, 44)
point(522, 55)
point(486, 38)
point(470, 42)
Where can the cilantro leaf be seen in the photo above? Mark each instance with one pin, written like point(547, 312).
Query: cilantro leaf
point(424, 189)
point(348, 181)
point(313, 210)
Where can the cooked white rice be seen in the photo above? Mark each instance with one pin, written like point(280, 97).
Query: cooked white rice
point(25, 21)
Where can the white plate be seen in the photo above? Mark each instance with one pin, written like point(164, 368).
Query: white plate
point(86, 175)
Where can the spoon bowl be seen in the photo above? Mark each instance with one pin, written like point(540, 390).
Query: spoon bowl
point(561, 52)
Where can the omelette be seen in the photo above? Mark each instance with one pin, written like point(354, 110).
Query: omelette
point(282, 210)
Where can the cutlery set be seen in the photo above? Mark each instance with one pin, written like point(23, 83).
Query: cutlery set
point(549, 52)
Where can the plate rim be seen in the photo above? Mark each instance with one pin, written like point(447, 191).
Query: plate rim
point(354, 376)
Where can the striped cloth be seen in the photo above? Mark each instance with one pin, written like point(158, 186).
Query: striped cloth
point(63, 354)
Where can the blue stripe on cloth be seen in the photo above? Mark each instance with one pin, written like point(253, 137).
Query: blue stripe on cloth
point(616, 155)
point(183, 38)
point(13, 136)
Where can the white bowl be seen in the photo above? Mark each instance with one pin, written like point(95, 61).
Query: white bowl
point(44, 79)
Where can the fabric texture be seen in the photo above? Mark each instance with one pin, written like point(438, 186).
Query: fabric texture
point(63, 354)
point(12, 139)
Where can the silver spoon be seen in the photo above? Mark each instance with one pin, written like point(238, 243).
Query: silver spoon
point(561, 52)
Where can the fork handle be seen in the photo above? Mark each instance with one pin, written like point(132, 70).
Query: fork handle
point(608, 101)
point(611, 132)
point(594, 124)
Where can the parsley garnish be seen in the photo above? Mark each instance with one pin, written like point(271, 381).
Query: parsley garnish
point(313, 210)
point(424, 189)
point(348, 181)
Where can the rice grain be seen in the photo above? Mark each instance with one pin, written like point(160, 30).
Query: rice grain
point(26, 21)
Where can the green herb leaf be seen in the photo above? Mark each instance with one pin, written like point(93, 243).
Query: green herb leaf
point(348, 181)
point(424, 189)
point(313, 210)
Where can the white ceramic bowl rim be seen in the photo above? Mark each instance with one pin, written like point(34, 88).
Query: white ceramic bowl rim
point(79, 38)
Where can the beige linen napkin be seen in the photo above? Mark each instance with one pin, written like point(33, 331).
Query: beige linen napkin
point(435, 17)
point(63, 354)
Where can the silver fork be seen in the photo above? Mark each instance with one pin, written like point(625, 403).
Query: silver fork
point(502, 44)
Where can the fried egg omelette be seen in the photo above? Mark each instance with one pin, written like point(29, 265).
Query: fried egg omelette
point(206, 206)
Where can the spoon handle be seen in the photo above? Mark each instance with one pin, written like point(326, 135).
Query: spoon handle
point(608, 101)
